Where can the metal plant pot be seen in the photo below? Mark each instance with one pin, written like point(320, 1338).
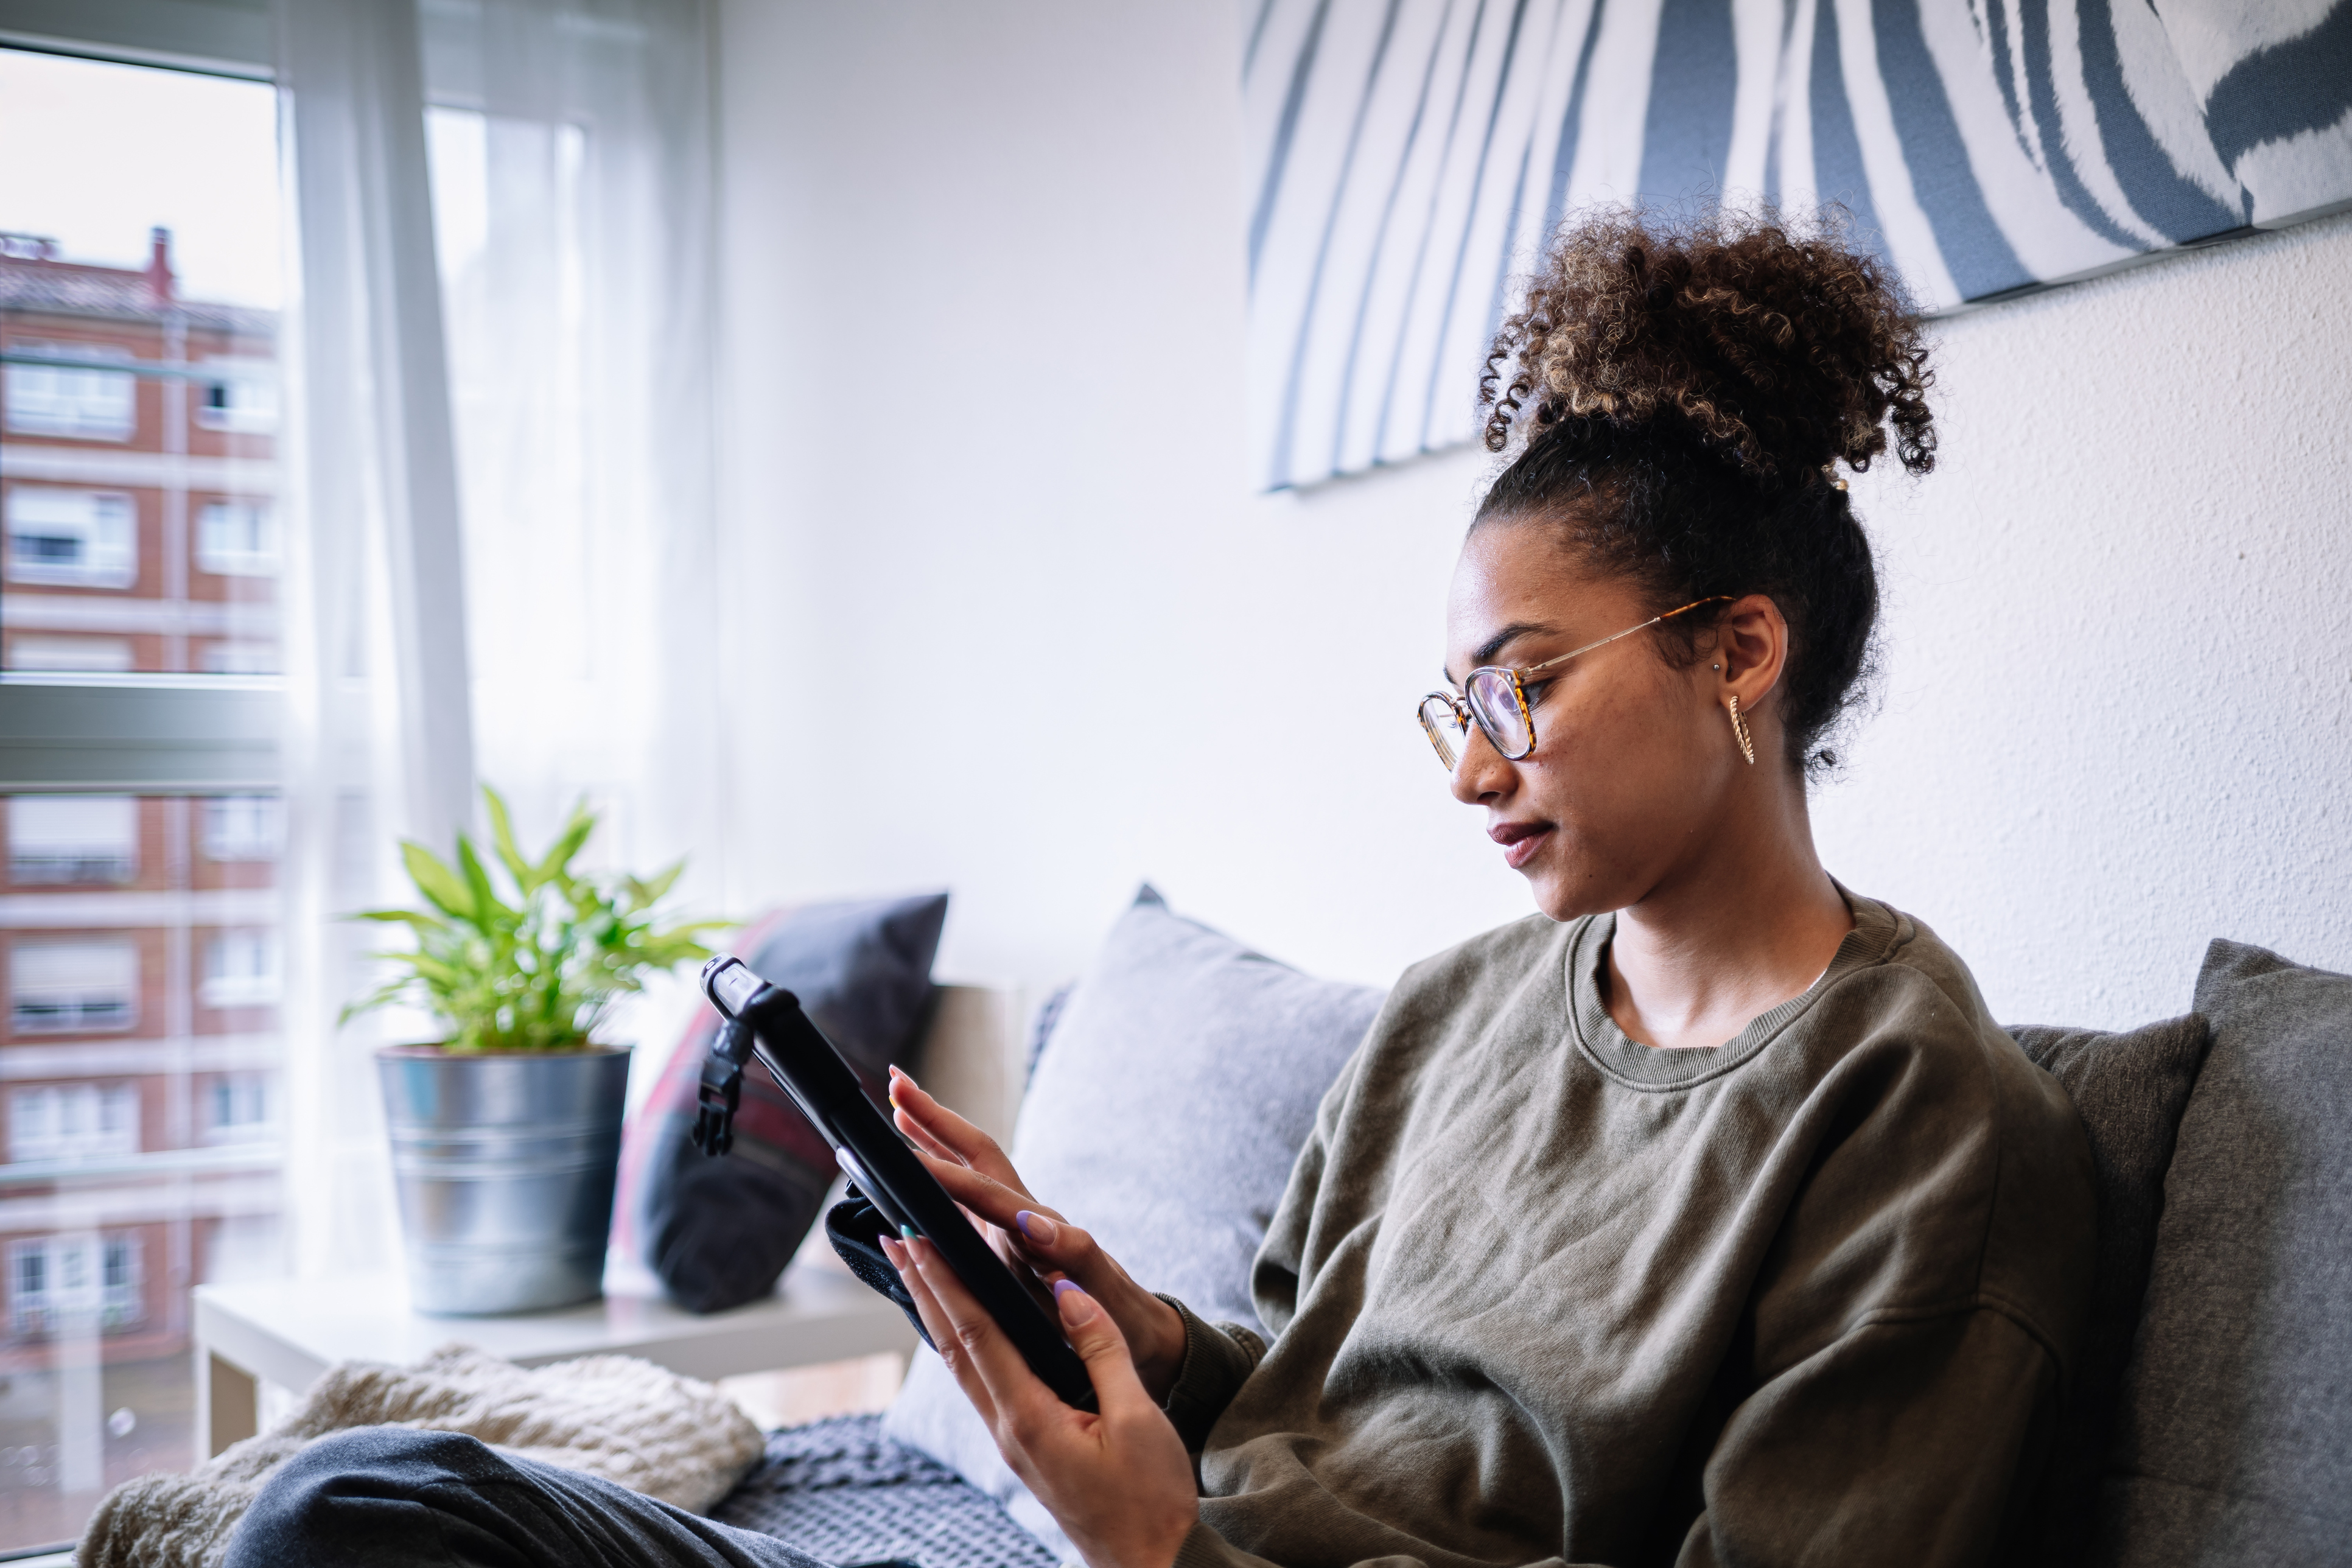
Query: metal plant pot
point(505, 1164)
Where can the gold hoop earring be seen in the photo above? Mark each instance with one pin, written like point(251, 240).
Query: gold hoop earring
point(1739, 730)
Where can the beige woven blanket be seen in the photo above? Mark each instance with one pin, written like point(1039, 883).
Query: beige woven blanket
point(615, 1416)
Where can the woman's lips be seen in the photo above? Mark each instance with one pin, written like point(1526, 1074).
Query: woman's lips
point(1519, 840)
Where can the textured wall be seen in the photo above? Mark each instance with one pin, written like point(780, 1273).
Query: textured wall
point(1009, 620)
point(2119, 704)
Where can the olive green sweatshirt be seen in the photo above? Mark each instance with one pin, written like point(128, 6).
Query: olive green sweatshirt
point(1539, 1293)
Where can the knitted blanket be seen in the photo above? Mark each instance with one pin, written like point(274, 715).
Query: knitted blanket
point(626, 1420)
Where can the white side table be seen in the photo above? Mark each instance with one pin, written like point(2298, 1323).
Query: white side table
point(287, 1331)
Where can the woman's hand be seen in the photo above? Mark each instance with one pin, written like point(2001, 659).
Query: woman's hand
point(1117, 1482)
point(1035, 1241)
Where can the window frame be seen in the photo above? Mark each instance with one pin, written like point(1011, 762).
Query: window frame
point(219, 37)
point(84, 733)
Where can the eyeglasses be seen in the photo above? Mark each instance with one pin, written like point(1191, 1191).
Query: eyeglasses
point(1496, 699)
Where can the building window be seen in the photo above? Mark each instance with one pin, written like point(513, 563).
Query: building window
point(72, 539)
point(73, 987)
point(242, 827)
point(73, 1121)
point(55, 1279)
point(56, 840)
point(239, 658)
point(237, 1107)
point(244, 398)
point(240, 970)
point(104, 655)
point(92, 404)
point(237, 539)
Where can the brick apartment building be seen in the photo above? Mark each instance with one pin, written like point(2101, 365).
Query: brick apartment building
point(139, 1053)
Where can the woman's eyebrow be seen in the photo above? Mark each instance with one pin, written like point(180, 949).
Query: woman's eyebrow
point(1486, 652)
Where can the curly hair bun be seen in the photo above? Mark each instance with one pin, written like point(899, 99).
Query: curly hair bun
point(1778, 351)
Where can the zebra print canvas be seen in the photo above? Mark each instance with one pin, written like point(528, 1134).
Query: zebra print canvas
point(1407, 157)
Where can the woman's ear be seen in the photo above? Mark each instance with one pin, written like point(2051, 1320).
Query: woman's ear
point(1751, 647)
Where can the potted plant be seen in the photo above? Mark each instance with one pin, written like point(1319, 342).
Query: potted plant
point(506, 1134)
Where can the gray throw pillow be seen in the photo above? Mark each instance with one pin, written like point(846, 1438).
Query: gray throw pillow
point(718, 1232)
point(2130, 1090)
point(1165, 1112)
point(2233, 1441)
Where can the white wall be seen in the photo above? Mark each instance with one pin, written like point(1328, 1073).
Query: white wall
point(1008, 621)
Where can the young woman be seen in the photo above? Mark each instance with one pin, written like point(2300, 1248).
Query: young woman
point(1704, 1217)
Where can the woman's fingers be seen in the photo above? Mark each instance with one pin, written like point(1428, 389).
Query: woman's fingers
point(920, 1137)
point(1053, 1245)
point(984, 1195)
point(982, 1354)
point(941, 1325)
point(956, 1137)
point(1094, 1333)
point(1117, 1479)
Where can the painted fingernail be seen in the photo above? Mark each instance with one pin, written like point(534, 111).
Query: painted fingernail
point(894, 1252)
point(1064, 1287)
point(1037, 1228)
point(907, 1231)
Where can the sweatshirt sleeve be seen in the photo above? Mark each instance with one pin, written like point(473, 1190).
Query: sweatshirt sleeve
point(1218, 1357)
point(1900, 1440)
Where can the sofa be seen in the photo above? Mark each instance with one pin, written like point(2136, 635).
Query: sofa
point(2210, 1421)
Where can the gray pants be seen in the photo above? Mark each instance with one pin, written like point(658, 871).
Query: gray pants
point(385, 1496)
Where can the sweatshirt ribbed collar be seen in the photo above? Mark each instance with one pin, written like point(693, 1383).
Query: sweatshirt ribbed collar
point(1874, 936)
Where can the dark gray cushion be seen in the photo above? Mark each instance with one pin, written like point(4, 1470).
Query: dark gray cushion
point(1166, 1110)
point(2130, 1090)
point(2233, 1440)
point(718, 1232)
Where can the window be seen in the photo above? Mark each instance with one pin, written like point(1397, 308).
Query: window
point(73, 1121)
point(244, 398)
point(143, 216)
point(73, 987)
point(236, 539)
point(72, 539)
point(239, 658)
point(60, 400)
point(240, 970)
point(97, 655)
point(68, 838)
point(55, 1280)
point(237, 1107)
point(242, 827)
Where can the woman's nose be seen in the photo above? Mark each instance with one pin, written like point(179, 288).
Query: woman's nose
point(1481, 772)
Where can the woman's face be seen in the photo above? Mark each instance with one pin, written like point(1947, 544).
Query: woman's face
point(1632, 755)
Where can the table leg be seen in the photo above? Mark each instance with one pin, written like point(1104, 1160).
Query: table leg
point(227, 1404)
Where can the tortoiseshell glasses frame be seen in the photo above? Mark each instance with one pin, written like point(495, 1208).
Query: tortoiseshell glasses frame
point(1494, 697)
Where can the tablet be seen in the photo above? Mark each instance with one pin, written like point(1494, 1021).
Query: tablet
point(805, 1065)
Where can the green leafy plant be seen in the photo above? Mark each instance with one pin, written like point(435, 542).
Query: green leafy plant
point(537, 971)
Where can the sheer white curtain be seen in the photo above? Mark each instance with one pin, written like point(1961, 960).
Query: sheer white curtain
point(571, 163)
point(379, 741)
point(572, 175)
point(501, 541)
